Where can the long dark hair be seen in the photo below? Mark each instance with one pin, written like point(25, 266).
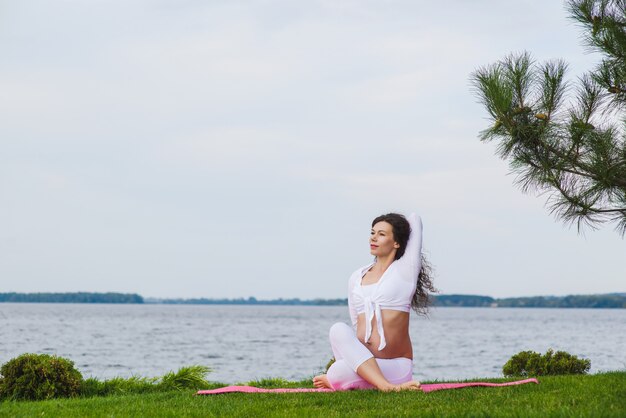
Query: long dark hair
point(401, 232)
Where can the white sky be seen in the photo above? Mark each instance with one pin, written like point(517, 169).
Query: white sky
point(242, 148)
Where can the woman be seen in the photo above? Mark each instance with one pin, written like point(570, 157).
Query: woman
point(377, 352)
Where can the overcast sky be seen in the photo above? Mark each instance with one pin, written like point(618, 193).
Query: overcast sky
point(242, 148)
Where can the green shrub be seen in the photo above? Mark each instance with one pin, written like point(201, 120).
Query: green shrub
point(529, 363)
point(39, 376)
point(191, 377)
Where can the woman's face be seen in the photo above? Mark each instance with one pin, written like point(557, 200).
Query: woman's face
point(381, 240)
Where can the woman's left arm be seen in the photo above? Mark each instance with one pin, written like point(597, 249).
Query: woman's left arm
point(351, 308)
point(410, 263)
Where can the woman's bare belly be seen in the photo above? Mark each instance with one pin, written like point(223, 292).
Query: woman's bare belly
point(396, 327)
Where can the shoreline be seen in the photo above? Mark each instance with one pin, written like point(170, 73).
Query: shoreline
point(592, 301)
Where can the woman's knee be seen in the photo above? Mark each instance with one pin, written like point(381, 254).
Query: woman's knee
point(340, 331)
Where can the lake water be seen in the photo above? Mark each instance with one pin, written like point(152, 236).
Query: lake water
point(243, 343)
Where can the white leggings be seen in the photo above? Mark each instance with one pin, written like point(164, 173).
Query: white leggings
point(350, 353)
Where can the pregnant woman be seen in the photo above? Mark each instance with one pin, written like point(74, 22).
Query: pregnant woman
point(376, 352)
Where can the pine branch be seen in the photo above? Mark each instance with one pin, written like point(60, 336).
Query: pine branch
point(579, 154)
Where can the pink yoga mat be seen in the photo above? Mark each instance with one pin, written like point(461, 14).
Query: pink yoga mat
point(425, 387)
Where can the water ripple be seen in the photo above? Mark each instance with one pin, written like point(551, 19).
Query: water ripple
point(242, 343)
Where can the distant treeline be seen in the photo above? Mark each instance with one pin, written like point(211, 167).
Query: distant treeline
point(613, 300)
point(610, 300)
point(463, 300)
point(79, 297)
point(250, 301)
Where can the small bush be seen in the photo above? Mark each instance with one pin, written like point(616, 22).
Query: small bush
point(190, 377)
point(529, 363)
point(38, 377)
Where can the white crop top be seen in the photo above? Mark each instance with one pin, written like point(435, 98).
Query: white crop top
point(395, 288)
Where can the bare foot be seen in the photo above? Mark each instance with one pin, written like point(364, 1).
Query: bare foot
point(412, 385)
point(321, 381)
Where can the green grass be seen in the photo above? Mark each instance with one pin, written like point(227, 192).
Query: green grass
point(186, 377)
point(591, 395)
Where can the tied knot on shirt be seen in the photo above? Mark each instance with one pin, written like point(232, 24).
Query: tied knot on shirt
point(373, 310)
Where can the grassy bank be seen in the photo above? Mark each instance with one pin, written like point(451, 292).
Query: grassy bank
point(593, 395)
